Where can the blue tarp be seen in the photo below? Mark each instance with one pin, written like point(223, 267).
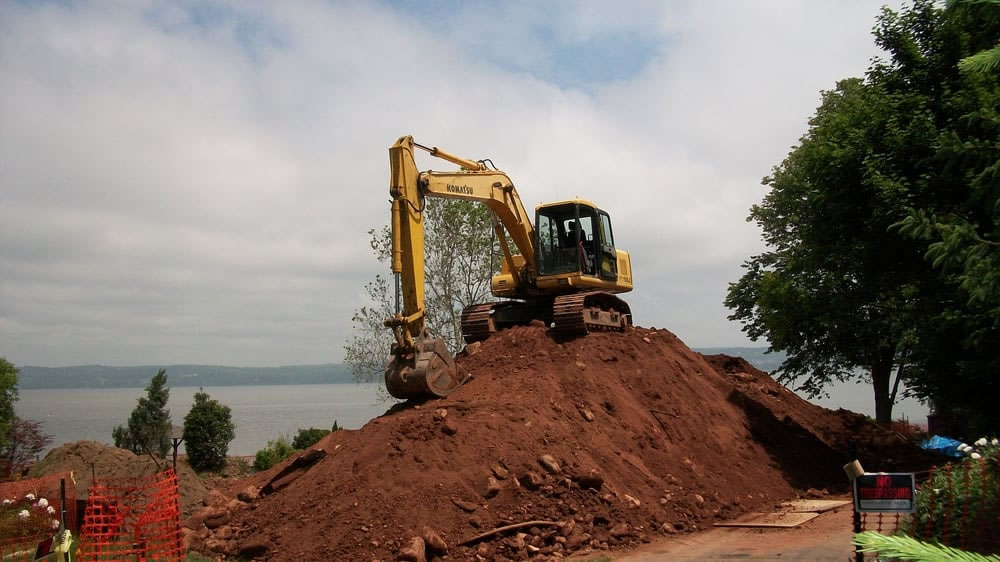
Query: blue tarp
point(943, 445)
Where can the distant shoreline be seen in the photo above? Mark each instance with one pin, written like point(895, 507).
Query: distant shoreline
point(188, 375)
point(103, 376)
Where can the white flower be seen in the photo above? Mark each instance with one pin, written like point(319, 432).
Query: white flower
point(54, 524)
point(7, 502)
point(43, 502)
point(964, 448)
point(981, 442)
point(976, 456)
point(30, 497)
point(995, 442)
point(51, 510)
point(23, 515)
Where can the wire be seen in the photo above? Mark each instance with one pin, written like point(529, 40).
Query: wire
point(415, 209)
point(485, 160)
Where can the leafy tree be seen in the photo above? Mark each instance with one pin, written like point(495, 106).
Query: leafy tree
point(275, 452)
point(208, 430)
point(461, 254)
point(25, 441)
point(309, 437)
point(988, 59)
point(940, 58)
point(890, 162)
point(8, 395)
point(148, 429)
point(834, 290)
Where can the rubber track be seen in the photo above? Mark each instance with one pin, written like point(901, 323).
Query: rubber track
point(476, 322)
point(569, 312)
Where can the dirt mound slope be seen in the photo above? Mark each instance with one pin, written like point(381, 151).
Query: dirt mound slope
point(89, 458)
point(602, 441)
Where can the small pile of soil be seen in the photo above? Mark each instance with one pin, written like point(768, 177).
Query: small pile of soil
point(89, 458)
point(592, 443)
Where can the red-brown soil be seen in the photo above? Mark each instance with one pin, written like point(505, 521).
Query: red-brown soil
point(87, 459)
point(650, 438)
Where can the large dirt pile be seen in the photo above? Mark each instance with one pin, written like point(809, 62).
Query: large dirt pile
point(87, 459)
point(603, 441)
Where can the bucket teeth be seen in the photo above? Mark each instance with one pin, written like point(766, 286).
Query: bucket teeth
point(426, 371)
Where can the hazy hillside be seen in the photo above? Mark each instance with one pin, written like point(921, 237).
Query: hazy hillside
point(102, 376)
point(755, 355)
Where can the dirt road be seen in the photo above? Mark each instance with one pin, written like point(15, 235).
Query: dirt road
point(825, 538)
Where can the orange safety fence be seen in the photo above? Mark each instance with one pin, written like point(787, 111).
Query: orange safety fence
point(30, 512)
point(133, 519)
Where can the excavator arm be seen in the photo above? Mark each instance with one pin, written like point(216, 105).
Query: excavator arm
point(421, 365)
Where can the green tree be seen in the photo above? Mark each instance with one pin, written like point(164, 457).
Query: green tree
point(954, 204)
point(8, 395)
point(208, 430)
point(834, 290)
point(988, 59)
point(308, 437)
point(853, 277)
point(275, 452)
point(461, 255)
point(148, 429)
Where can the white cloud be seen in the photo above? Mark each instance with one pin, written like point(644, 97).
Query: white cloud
point(193, 183)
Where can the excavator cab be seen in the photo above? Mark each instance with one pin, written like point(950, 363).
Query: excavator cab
point(575, 237)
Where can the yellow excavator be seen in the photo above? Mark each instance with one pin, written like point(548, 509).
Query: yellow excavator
point(565, 272)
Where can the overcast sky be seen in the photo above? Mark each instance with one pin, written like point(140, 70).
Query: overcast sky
point(192, 182)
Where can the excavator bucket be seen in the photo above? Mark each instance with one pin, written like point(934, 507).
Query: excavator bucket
point(427, 371)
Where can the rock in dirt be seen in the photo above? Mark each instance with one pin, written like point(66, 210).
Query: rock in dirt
point(413, 551)
point(817, 494)
point(449, 427)
point(255, 547)
point(215, 517)
point(592, 479)
point(464, 505)
point(531, 480)
point(248, 494)
point(215, 498)
point(549, 463)
point(433, 541)
point(492, 487)
point(500, 472)
point(619, 530)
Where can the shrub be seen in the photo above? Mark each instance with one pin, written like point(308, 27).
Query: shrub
point(275, 452)
point(208, 429)
point(309, 437)
point(959, 504)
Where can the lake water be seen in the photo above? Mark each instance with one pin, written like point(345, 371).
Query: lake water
point(261, 413)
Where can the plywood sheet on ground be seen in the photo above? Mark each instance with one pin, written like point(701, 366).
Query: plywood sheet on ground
point(782, 519)
point(819, 506)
